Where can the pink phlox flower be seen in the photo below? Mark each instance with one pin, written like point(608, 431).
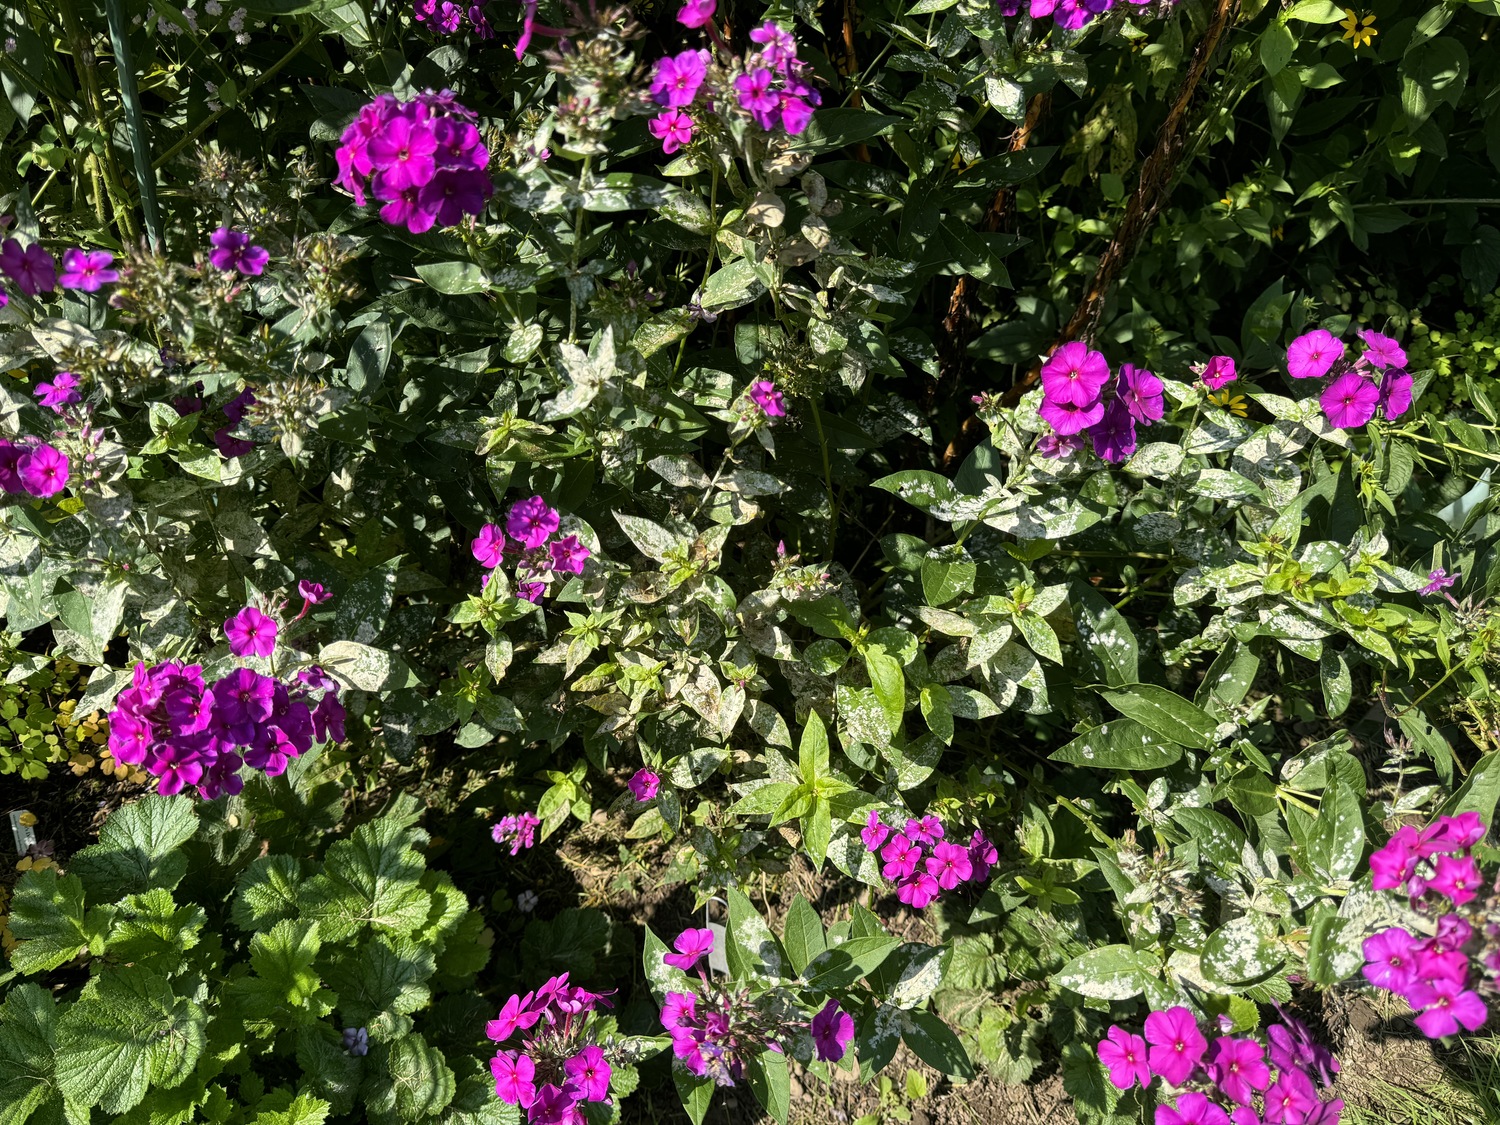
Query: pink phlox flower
point(1176, 1044)
point(403, 153)
point(874, 833)
point(1313, 354)
point(778, 47)
point(764, 394)
point(676, 78)
point(917, 890)
point(1293, 1047)
point(313, 593)
point(832, 1032)
point(643, 784)
point(87, 270)
point(488, 546)
point(568, 555)
point(1449, 1006)
point(928, 830)
point(554, 1106)
point(672, 128)
point(679, 1009)
point(43, 470)
point(982, 854)
point(1191, 1109)
point(901, 857)
point(1238, 1068)
point(950, 865)
point(1389, 957)
point(1395, 393)
point(1350, 401)
point(232, 250)
point(1142, 393)
point(515, 1078)
point(530, 522)
point(1056, 446)
point(1290, 1099)
point(531, 591)
point(1069, 418)
point(517, 829)
point(1456, 877)
point(1114, 435)
point(1219, 371)
point(696, 13)
point(1396, 861)
point(251, 633)
point(690, 945)
point(1074, 375)
point(1381, 350)
point(1450, 833)
point(755, 95)
point(1438, 581)
point(1124, 1056)
point(588, 1074)
point(33, 269)
point(62, 391)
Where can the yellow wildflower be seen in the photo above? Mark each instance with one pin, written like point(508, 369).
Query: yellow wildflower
point(1235, 404)
point(1359, 30)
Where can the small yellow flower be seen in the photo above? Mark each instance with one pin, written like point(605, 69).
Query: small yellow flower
point(1231, 402)
point(1361, 31)
point(27, 819)
point(1228, 201)
point(1277, 233)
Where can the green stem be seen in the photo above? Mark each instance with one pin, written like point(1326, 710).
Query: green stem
point(135, 121)
point(833, 500)
point(104, 167)
point(583, 182)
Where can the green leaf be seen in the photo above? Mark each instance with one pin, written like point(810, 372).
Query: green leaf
point(947, 573)
point(753, 950)
point(1121, 745)
point(771, 1083)
point(1109, 972)
point(1229, 679)
point(1276, 46)
point(126, 1033)
point(836, 127)
point(388, 980)
point(817, 831)
point(1432, 73)
point(284, 957)
point(1338, 685)
point(369, 357)
point(812, 750)
point(1240, 952)
point(1316, 11)
point(844, 964)
point(1107, 634)
point(370, 879)
point(1039, 636)
point(827, 616)
point(304, 1109)
point(420, 1079)
point(888, 684)
point(935, 1044)
point(1166, 713)
point(152, 925)
point(1333, 847)
point(365, 668)
point(696, 1093)
point(453, 277)
point(765, 800)
point(366, 605)
point(139, 848)
point(732, 285)
point(28, 1031)
point(266, 892)
point(802, 934)
point(47, 919)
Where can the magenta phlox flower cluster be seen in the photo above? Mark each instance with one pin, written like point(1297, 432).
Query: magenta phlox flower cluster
point(188, 732)
point(516, 829)
point(921, 862)
point(234, 412)
point(30, 269)
point(1450, 976)
point(447, 17)
point(1079, 397)
point(1376, 379)
point(1069, 14)
point(423, 159)
point(1227, 1076)
point(32, 468)
point(557, 1066)
point(527, 537)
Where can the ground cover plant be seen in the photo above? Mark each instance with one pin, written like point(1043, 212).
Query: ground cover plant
point(581, 562)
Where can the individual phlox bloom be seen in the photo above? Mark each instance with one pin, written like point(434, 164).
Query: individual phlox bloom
point(982, 854)
point(643, 784)
point(1192, 1109)
point(676, 78)
point(672, 128)
point(1350, 401)
point(832, 1032)
point(696, 13)
point(928, 830)
point(690, 945)
point(1176, 1044)
point(232, 250)
point(1450, 833)
point(1218, 372)
point(1238, 1068)
point(488, 546)
point(755, 95)
point(777, 45)
point(516, 1015)
point(87, 270)
point(678, 1009)
point(1456, 877)
point(874, 833)
point(1114, 435)
point(1142, 393)
point(515, 1078)
point(917, 890)
point(313, 592)
point(1124, 1057)
point(1075, 375)
point(251, 633)
point(530, 522)
point(1291, 1099)
point(1313, 354)
point(1381, 350)
point(950, 865)
point(568, 555)
point(1069, 418)
point(764, 394)
point(1056, 446)
point(901, 857)
point(403, 152)
point(43, 471)
point(1449, 1006)
point(1395, 862)
point(62, 391)
point(32, 269)
point(588, 1074)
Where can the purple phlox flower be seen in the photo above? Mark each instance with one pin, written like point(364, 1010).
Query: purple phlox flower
point(1381, 350)
point(1074, 375)
point(1449, 1006)
point(568, 555)
point(43, 471)
point(453, 193)
point(317, 679)
point(10, 458)
point(1217, 372)
point(403, 152)
point(1437, 581)
point(328, 719)
point(229, 445)
point(251, 633)
point(1056, 446)
point(357, 1041)
point(87, 270)
point(130, 738)
point(1456, 877)
point(644, 784)
point(764, 394)
point(313, 592)
point(177, 766)
point(778, 47)
point(1039, 8)
point(530, 522)
point(1238, 1068)
point(489, 546)
point(874, 833)
point(33, 269)
point(1114, 435)
point(676, 78)
point(1176, 1044)
point(1394, 863)
point(514, 1078)
point(950, 865)
point(691, 944)
point(928, 830)
point(1191, 1109)
point(62, 391)
point(1390, 960)
point(795, 105)
point(982, 854)
point(1243, 1115)
point(1068, 418)
point(1451, 833)
point(236, 408)
point(531, 591)
point(232, 250)
point(672, 128)
point(1395, 393)
point(1350, 401)
point(832, 1032)
point(588, 1074)
point(1124, 1056)
point(517, 829)
point(1452, 933)
point(1290, 1099)
point(901, 857)
point(1293, 1047)
point(679, 1009)
point(918, 889)
point(754, 93)
point(515, 1015)
point(1313, 354)
point(1141, 392)
point(696, 13)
